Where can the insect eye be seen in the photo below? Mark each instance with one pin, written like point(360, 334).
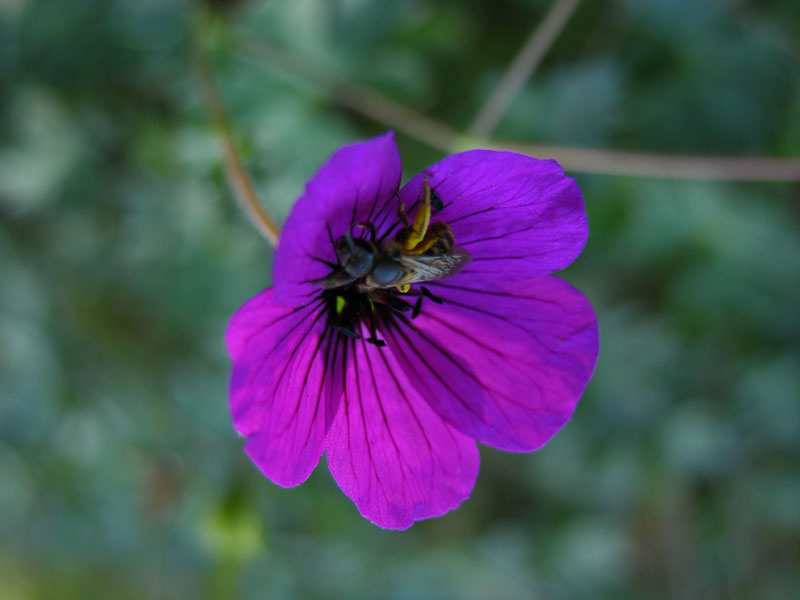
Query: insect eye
point(386, 273)
point(356, 257)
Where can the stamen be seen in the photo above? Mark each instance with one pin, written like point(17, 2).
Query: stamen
point(373, 336)
point(345, 331)
point(417, 308)
point(352, 303)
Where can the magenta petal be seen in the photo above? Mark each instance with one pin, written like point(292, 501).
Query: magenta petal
point(357, 183)
point(505, 365)
point(499, 353)
point(516, 215)
point(277, 388)
point(389, 451)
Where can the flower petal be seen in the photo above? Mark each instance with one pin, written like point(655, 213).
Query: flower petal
point(389, 451)
point(356, 183)
point(516, 215)
point(277, 391)
point(505, 365)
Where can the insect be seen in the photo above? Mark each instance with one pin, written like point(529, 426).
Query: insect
point(420, 251)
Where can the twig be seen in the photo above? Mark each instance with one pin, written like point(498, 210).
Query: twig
point(359, 98)
point(523, 67)
point(403, 118)
point(604, 162)
point(670, 166)
point(237, 175)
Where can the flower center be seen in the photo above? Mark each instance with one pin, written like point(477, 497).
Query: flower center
point(371, 280)
point(348, 307)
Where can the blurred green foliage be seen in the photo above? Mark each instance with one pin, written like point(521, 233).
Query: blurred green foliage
point(122, 256)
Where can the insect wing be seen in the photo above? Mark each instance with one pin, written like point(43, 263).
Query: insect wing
point(429, 267)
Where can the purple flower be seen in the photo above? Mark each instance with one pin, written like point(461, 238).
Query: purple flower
point(405, 324)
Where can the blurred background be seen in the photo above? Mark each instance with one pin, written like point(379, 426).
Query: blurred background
point(123, 254)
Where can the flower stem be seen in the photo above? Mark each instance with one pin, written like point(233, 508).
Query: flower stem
point(599, 161)
point(237, 175)
point(522, 67)
point(668, 166)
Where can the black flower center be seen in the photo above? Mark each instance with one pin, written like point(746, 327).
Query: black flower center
point(372, 277)
point(347, 307)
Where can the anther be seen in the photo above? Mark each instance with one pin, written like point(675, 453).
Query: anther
point(345, 331)
point(417, 308)
point(373, 335)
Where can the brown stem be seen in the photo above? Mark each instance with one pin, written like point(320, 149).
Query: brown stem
point(522, 67)
point(585, 160)
point(237, 175)
point(670, 166)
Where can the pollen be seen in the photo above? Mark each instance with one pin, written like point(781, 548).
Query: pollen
point(340, 304)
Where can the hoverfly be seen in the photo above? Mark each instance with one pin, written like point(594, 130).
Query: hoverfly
point(421, 251)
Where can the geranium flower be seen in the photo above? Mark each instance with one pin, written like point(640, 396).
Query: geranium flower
point(395, 371)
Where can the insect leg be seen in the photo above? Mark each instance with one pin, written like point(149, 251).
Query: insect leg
point(427, 293)
point(423, 293)
point(421, 219)
point(373, 234)
point(401, 213)
point(396, 304)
